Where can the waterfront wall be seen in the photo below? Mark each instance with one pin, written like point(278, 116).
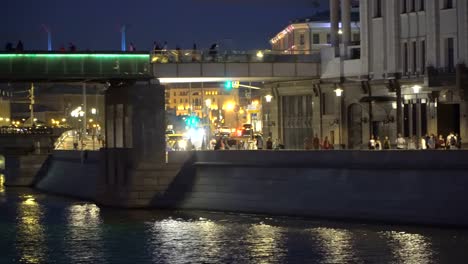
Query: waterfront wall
point(23, 170)
point(421, 187)
point(71, 173)
point(424, 187)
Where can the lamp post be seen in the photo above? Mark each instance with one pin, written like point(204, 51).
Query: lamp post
point(268, 99)
point(339, 94)
point(416, 90)
point(208, 120)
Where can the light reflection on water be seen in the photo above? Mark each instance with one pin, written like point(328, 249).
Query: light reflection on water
point(2, 182)
point(30, 239)
point(409, 248)
point(336, 244)
point(38, 228)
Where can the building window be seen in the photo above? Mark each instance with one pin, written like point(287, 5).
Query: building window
point(175, 93)
point(405, 58)
point(356, 37)
point(301, 39)
point(175, 101)
point(415, 56)
point(422, 5)
point(413, 6)
point(448, 4)
point(328, 38)
point(316, 39)
point(423, 56)
point(450, 54)
point(404, 6)
point(180, 101)
point(378, 8)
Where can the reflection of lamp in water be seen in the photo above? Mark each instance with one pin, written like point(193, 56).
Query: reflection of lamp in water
point(337, 244)
point(30, 235)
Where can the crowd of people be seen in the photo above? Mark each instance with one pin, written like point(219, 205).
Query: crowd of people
point(427, 142)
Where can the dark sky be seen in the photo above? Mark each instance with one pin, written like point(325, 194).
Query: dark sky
point(94, 24)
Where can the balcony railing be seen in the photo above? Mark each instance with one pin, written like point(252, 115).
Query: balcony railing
point(214, 56)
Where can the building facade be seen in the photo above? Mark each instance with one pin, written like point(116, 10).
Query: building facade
point(208, 100)
point(410, 76)
point(309, 35)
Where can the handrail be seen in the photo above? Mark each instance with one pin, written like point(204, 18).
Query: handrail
point(233, 56)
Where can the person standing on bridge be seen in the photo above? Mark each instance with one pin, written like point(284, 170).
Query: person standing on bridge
point(194, 52)
point(132, 47)
point(72, 47)
point(19, 46)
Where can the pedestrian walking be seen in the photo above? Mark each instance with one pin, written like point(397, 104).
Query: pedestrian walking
point(431, 142)
point(423, 143)
point(316, 142)
point(19, 46)
point(213, 52)
point(440, 142)
point(259, 143)
point(71, 47)
point(132, 47)
point(412, 143)
point(371, 143)
point(459, 141)
point(400, 142)
point(269, 144)
point(378, 144)
point(326, 144)
point(386, 143)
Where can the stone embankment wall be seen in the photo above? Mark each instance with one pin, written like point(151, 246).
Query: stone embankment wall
point(23, 170)
point(424, 187)
point(71, 173)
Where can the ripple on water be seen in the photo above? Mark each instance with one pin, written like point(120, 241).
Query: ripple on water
point(38, 228)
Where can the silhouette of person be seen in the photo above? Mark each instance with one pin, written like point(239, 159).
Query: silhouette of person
point(19, 46)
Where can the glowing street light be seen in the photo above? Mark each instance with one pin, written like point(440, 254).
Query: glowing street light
point(416, 88)
point(208, 103)
point(339, 92)
point(93, 111)
point(268, 98)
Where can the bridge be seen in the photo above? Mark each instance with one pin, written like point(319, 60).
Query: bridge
point(134, 107)
point(180, 66)
point(77, 66)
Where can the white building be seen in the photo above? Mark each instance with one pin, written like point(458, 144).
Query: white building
point(410, 76)
point(308, 35)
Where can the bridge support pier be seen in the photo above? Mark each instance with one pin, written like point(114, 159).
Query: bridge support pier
point(135, 139)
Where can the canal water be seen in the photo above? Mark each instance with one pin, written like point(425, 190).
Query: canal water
point(40, 228)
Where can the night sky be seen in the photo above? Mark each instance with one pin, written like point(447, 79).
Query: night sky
point(94, 24)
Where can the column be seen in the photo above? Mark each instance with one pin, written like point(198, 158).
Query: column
point(346, 22)
point(334, 17)
point(410, 119)
point(418, 122)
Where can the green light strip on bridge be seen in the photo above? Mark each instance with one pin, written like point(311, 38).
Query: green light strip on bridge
point(102, 56)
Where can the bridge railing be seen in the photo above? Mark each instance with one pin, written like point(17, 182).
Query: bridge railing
point(233, 56)
point(61, 64)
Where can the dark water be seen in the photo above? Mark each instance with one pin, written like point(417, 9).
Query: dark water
point(39, 228)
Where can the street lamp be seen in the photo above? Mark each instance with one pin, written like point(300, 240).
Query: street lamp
point(339, 93)
point(268, 99)
point(416, 88)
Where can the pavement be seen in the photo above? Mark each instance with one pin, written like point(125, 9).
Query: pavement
point(66, 143)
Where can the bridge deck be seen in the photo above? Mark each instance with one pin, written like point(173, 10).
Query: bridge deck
point(76, 66)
